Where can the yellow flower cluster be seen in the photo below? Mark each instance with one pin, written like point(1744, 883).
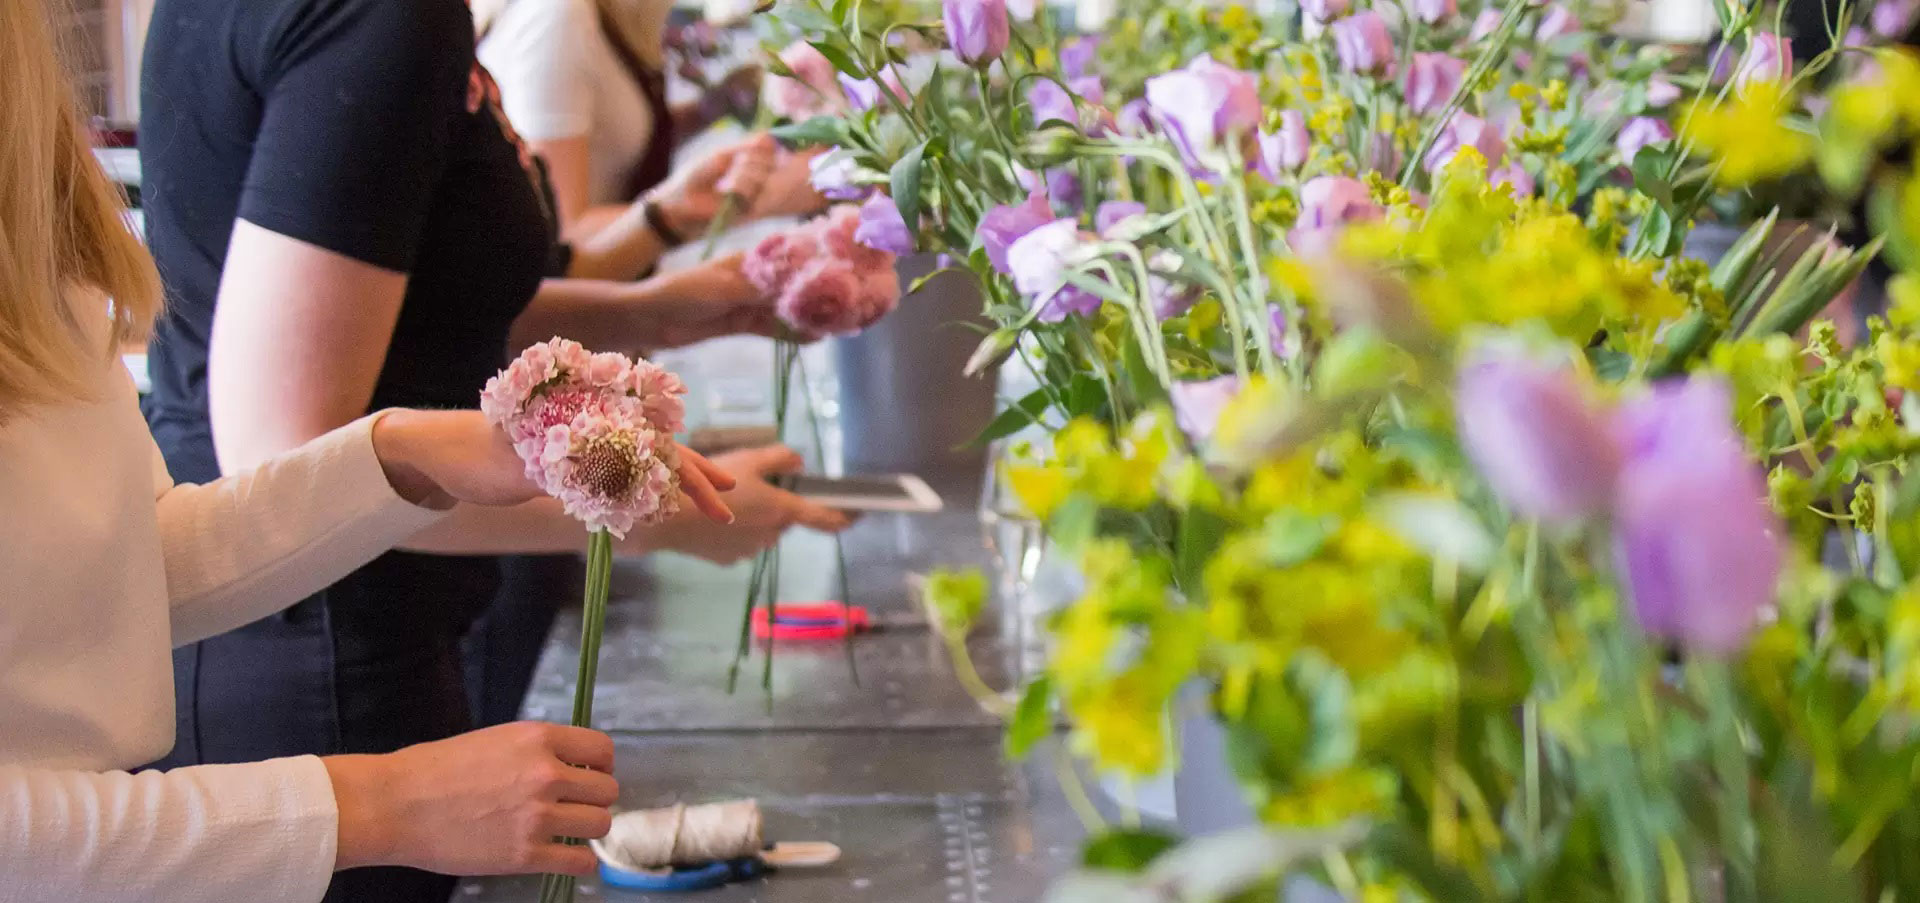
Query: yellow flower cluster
point(1750, 135)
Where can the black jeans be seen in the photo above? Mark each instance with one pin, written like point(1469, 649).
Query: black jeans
point(370, 665)
point(503, 648)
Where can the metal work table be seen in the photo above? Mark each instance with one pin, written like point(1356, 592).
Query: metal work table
point(903, 771)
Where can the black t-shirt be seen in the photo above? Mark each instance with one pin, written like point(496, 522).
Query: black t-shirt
point(361, 126)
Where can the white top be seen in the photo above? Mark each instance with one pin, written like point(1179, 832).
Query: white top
point(105, 565)
point(560, 78)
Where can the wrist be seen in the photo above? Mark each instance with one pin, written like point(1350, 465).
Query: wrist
point(401, 440)
point(368, 833)
point(673, 223)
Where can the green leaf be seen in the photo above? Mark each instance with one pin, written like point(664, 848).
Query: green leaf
point(818, 130)
point(1609, 364)
point(1032, 719)
point(1126, 850)
point(1019, 416)
point(1200, 534)
point(840, 58)
point(1650, 168)
point(1293, 536)
point(1085, 396)
point(905, 181)
point(1659, 226)
point(1075, 522)
point(840, 8)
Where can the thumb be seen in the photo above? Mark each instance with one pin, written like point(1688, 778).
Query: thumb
point(771, 459)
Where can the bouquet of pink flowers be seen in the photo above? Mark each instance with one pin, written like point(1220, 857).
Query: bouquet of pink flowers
point(596, 432)
point(827, 277)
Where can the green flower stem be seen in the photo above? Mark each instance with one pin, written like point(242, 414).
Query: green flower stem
point(559, 888)
point(994, 125)
point(1243, 223)
point(839, 547)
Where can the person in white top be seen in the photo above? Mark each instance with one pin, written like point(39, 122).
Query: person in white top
point(583, 82)
point(105, 564)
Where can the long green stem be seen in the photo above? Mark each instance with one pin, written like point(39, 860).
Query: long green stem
point(593, 620)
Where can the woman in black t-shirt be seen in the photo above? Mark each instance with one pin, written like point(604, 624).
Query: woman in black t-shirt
point(343, 224)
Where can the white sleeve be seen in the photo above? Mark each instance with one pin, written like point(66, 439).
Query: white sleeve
point(205, 834)
point(537, 53)
point(243, 547)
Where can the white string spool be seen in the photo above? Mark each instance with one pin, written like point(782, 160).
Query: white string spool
point(686, 835)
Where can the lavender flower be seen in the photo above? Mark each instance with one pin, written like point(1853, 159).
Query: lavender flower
point(833, 174)
point(1536, 438)
point(882, 228)
point(1197, 405)
point(1008, 223)
point(1769, 58)
point(977, 30)
point(1324, 10)
point(1326, 204)
point(862, 93)
point(1640, 132)
point(1661, 92)
point(1362, 43)
point(1557, 21)
point(1434, 11)
point(1484, 24)
point(1284, 150)
point(1040, 261)
point(1078, 55)
point(1112, 213)
point(1467, 130)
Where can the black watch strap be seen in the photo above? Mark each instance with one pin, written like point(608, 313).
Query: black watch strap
point(657, 221)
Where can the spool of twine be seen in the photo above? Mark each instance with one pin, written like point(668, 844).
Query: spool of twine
point(687, 835)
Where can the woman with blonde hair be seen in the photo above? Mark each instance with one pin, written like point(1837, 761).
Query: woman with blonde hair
point(105, 562)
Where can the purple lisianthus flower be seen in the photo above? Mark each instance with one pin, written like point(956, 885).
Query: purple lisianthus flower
point(1515, 177)
point(882, 228)
point(1326, 204)
point(1557, 21)
point(1277, 330)
point(1769, 58)
point(1891, 18)
point(1284, 150)
point(1197, 405)
point(1135, 119)
point(1063, 185)
point(832, 174)
point(1639, 132)
point(1206, 105)
point(1661, 92)
point(1078, 55)
point(1467, 130)
point(1050, 101)
point(977, 30)
point(1039, 262)
point(1431, 80)
point(1695, 538)
point(1168, 298)
point(1434, 11)
point(1484, 24)
point(1536, 438)
point(862, 93)
point(1112, 213)
point(1324, 10)
point(1362, 43)
point(1008, 223)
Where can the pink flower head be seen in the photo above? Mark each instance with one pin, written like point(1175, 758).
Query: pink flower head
point(1007, 223)
point(1467, 130)
point(1362, 42)
point(1769, 58)
point(823, 299)
point(778, 258)
point(1324, 10)
point(1197, 405)
point(594, 431)
point(839, 234)
point(1431, 80)
point(977, 30)
point(1640, 132)
point(1484, 24)
point(1326, 204)
point(1515, 177)
point(1434, 11)
point(1556, 22)
point(1286, 149)
point(813, 91)
point(1891, 19)
point(1661, 92)
point(1206, 105)
point(1537, 436)
point(834, 174)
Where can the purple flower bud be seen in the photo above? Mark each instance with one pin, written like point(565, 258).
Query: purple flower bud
point(1557, 21)
point(1285, 150)
point(1206, 105)
point(1078, 55)
point(1484, 24)
point(1695, 538)
point(977, 30)
point(1467, 130)
point(832, 174)
point(1769, 58)
point(1362, 43)
point(1434, 11)
point(1431, 80)
point(1892, 18)
point(882, 228)
point(1536, 438)
point(1112, 213)
point(1197, 405)
point(1324, 10)
point(1639, 132)
point(1326, 204)
point(1039, 262)
point(1661, 92)
point(1008, 223)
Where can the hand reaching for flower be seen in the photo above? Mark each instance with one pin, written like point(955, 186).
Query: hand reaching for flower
point(692, 202)
point(762, 512)
point(707, 301)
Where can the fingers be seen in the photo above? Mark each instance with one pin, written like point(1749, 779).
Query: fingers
point(561, 859)
point(582, 746)
point(696, 483)
point(767, 460)
point(721, 478)
point(819, 517)
point(574, 820)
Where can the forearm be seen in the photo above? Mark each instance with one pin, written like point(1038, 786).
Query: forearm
point(538, 527)
point(620, 246)
point(600, 314)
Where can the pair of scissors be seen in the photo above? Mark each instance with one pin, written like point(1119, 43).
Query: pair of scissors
point(811, 621)
point(616, 873)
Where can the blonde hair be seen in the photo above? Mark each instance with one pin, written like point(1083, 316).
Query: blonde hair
point(65, 244)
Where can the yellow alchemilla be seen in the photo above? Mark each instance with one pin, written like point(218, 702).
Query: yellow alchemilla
point(1333, 798)
point(1749, 135)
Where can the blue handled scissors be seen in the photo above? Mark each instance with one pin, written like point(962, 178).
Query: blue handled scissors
point(680, 880)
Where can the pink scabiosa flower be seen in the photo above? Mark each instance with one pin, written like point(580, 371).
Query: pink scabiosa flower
point(823, 299)
point(813, 91)
point(977, 30)
point(778, 258)
point(1007, 223)
point(1769, 58)
point(1362, 43)
point(1431, 80)
point(1206, 105)
point(839, 237)
point(594, 431)
point(1326, 204)
point(1283, 150)
point(1640, 132)
point(1696, 540)
point(1536, 437)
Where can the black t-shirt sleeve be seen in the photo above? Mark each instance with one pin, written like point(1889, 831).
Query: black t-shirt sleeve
point(360, 100)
